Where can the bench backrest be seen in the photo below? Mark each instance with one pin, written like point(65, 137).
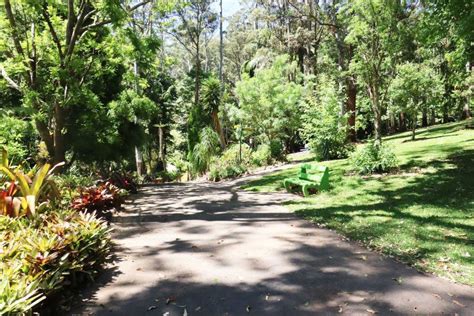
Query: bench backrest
point(318, 174)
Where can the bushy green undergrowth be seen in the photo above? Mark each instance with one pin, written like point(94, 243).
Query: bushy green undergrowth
point(423, 214)
point(237, 160)
point(374, 158)
point(48, 254)
point(323, 128)
point(50, 236)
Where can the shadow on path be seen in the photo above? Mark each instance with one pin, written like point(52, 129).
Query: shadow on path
point(211, 249)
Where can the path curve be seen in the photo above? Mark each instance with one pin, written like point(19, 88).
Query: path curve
point(212, 249)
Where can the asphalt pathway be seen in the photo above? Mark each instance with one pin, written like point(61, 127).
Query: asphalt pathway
point(212, 249)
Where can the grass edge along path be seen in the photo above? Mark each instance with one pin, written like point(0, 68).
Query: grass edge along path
point(423, 214)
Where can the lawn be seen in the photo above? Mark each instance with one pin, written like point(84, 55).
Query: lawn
point(422, 214)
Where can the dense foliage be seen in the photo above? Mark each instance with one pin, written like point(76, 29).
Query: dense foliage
point(40, 257)
point(374, 157)
point(143, 81)
point(122, 90)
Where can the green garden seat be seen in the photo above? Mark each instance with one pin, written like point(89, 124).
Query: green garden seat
point(310, 177)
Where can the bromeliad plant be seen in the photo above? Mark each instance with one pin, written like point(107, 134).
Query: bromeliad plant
point(101, 200)
point(48, 255)
point(25, 197)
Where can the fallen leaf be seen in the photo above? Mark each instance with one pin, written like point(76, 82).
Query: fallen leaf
point(450, 294)
point(139, 269)
point(197, 309)
point(150, 308)
point(363, 258)
point(371, 311)
point(340, 309)
point(458, 303)
point(437, 296)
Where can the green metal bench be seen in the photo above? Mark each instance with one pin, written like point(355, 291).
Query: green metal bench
point(310, 177)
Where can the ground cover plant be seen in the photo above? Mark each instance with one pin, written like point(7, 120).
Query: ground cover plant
point(51, 253)
point(422, 214)
point(45, 248)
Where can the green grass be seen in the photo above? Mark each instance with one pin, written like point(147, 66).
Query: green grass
point(423, 214)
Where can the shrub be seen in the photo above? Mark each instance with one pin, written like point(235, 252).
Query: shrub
point(222, 171)
point(45, 255)
point(230, 165)
point(276, 150)
point(100, 199)
point(324, 128)
point(18, 136)
point(374, 158)
point(262, 156)
point(203, 151)
point(328, 145)
point(234, 152)
point(124, 181)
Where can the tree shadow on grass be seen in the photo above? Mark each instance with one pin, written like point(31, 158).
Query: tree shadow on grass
point(431, 132)
point(444, 210)
point(312, 272)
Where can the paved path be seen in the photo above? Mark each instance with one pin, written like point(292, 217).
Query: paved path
point(211, 249)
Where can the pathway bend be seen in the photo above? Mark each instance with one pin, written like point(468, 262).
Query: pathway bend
point(212, 249)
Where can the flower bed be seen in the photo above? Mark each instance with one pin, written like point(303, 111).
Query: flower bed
point(42, 256)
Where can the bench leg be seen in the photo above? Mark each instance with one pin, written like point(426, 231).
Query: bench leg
point(287, 186)
point(305, 191)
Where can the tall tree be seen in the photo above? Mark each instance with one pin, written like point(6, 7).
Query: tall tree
point(372, 24)
point(50, 77)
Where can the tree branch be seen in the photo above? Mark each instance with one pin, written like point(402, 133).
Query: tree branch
point(9, 80)
point(56, 40)
point(11, 19)
point(71, 20)
point(138, 5)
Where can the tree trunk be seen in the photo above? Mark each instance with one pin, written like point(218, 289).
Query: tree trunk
point(218, 128)
point(45, 136)
point(139, 161)
point(58, 136)
point(424, 119)
point(351, 108)
point(445, 114)
point(466, 112)
point(161, 147)
point(433, 117)
point(221, 49)
point(393, 123)
point(403, 122)
point(197, 83)
point(374, 97)
point(413, 128)
point(138, 154)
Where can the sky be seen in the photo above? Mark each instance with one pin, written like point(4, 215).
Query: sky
point(229, 7)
